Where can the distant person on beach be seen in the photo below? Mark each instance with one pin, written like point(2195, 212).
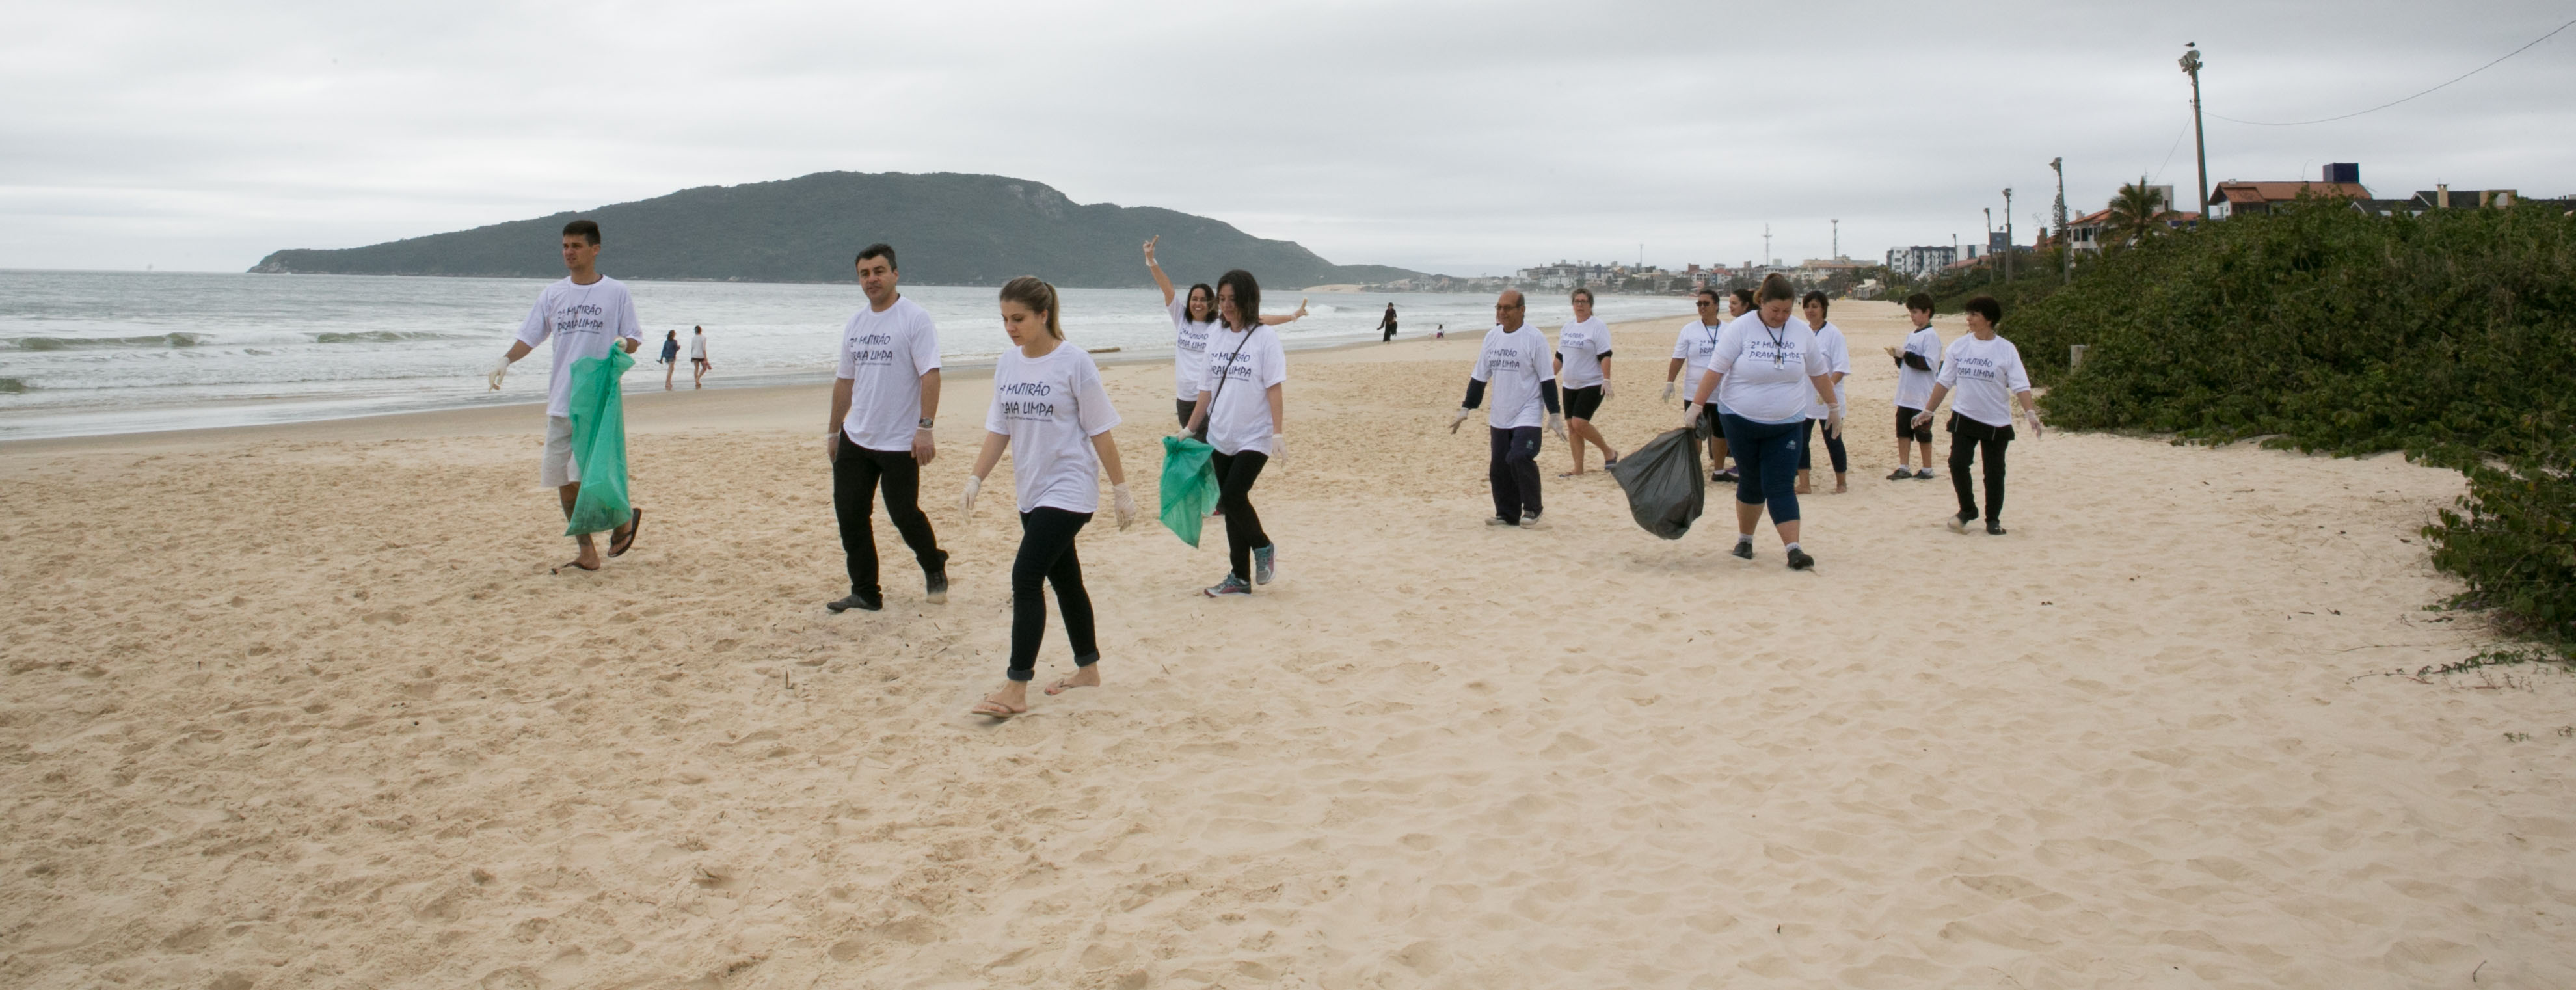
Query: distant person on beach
point(1916, 366)
point(1515, 363)
point(1837, 352)
point(883, 401)
point(1243, 406)
point(1386, 325)
point(1440, 331)
point(1051, 413)
point(585, 314)
point(1766, 368)
point(1691, 348)
point(1193, 320)
point(1986, 373)
point(670, 357)
point(1583, 370)
point(698, 365)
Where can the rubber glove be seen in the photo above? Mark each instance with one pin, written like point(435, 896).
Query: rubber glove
point(1556, 425)
point(1279, 449)
point(1923, 418)
point(1461, 418)
point(1605, 390)
point(1690, 415)
point(500, 369)
point(832, 447)
point(973, 485)
point(2036, 430)
point(1668, 392)
point(1834, 422)
point(1125, 501)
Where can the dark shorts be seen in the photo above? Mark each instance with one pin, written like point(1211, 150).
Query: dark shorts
point(1182, 408)
point(1581, 403)
point(1906, 430)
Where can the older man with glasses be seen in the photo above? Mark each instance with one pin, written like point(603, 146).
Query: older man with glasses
point(1516, 362)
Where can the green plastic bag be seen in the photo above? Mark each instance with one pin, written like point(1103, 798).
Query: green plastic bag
point(1189, 486)
point(599, 443)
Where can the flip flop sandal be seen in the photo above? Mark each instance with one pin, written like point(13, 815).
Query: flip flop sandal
point(994, 710)
point(574, 564)
point(1062, 685)
point(634, 527)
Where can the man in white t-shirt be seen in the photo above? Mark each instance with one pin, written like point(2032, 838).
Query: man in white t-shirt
point(1917, 363)
point(585, 314)
point(883, 401)
point(698, 365)
point(1986, 372)
point(1515, 362)
point(1583, 372)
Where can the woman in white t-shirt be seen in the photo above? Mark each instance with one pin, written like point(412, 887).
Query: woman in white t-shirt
point(1193, 322)
point(1050, 412)
point(1583, 372)
point(1837, 352)
point(1985, 371)
point(1243, 405)
point(1765, 369)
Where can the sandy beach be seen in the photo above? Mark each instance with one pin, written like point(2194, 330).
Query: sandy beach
point(301, 706)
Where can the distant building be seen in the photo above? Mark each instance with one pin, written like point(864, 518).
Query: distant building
point(2088, 232)
point(1921, 261)
point(2340, 180)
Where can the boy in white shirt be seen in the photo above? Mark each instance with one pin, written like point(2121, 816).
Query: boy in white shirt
point(585, 314)
point(883, 402)
point(1916, 366)
point(1987, 373)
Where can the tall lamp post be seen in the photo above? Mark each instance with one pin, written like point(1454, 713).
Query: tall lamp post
point(2065, 248)
point(2200, 148)
point(2008, 239)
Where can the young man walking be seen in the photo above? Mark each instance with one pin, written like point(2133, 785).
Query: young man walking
point(585, 314)
point(883, 402)
point(1515, 361)
point(1987, 374)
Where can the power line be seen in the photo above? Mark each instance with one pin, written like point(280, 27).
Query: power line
point(2391, 103)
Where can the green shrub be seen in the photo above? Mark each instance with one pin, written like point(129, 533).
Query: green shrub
point(2514, 542)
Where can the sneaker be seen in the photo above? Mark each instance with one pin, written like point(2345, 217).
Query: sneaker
point(1529, 516)
point(1265, 563)
point(1958, 525)
point(1232, 585)
point(864, 603)
point(1924, 474)
point(1743, 549)
point(1799, 561)
point(1994, 528)
point(1901, 475)
point(936, 584)
point(1500, 521)
point(1723, 477)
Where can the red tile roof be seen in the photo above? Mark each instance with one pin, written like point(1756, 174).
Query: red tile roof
point(2281, 192)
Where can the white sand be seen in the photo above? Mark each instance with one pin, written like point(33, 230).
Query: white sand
point(301, 707)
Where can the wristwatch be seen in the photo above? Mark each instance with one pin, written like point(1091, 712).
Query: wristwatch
point(925, 423)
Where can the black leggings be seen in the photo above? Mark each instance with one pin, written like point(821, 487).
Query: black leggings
point(1235, 474)
point(856, 474)
point(1833, 449)
point(1968, 440)
point(1046, 555)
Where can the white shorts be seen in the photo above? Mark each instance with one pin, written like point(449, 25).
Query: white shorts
point(558, 468)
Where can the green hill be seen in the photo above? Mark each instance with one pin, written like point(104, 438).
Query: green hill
point(947, 229)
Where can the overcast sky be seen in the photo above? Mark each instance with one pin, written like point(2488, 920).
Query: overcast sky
point(1455, 137)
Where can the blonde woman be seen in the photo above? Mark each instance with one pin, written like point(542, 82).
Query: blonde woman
point(1050, 412)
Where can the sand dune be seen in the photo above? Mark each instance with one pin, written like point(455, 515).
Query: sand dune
point(302, 707)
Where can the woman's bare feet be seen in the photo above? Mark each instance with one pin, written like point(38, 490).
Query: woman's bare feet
point(1082, 677)
point(1012, 699)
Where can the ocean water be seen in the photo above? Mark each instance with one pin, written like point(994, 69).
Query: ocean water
point(117, 352)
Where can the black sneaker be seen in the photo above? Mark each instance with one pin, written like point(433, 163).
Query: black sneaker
point(858, 601)
point(1529, 515)
point(936, 584)
point(1500, 521)
point(1743, 548)
point(1994, 528)
point(1799, 561)
point(1958, 524)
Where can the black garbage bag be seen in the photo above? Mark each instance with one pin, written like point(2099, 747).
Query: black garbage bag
point(1666, 491)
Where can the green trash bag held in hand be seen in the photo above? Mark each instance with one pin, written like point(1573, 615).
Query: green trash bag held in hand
point(599, 443)
point(1189, 486)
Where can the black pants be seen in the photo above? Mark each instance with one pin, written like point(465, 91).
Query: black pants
point(1046, 555)
point(856, 472)
point(1970, 439)
point(1185, 407)
point(1390, 333)
point(1235, 474)
point(1514, 471)
point(1833, 449)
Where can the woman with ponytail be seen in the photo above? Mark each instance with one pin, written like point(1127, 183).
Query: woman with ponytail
point(1242, 406)
point(1050, 412)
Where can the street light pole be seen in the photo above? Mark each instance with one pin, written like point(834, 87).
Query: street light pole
point(2008, 240)
point(2191, 66)
point(2065, 249)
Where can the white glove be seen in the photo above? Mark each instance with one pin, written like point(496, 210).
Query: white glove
point(2036, 430)
point(973, 485)
point(1556, 425)
point(1690, 415)
point(1923, 418)
point(1125, 501)
point(1668, 392)
point(1279, 449)
point(1460, 418)
point(1605, 390)
point(1834, 422)
point(500, 369)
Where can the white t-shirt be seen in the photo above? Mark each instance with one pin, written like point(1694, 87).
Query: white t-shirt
point(1914, 388)
point(697, 347)
point(584, 321)
point(1581, 345)
point(1189, 348)
point(1767, 368)
point(1983, 375)
point(884, 356)
point(1829, 342)
point(1693, 345)
point(1051, 407)
point(1240, 417)
point(1512, 364)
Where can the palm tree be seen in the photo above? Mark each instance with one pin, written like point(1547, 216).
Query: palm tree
point(2136, 214)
